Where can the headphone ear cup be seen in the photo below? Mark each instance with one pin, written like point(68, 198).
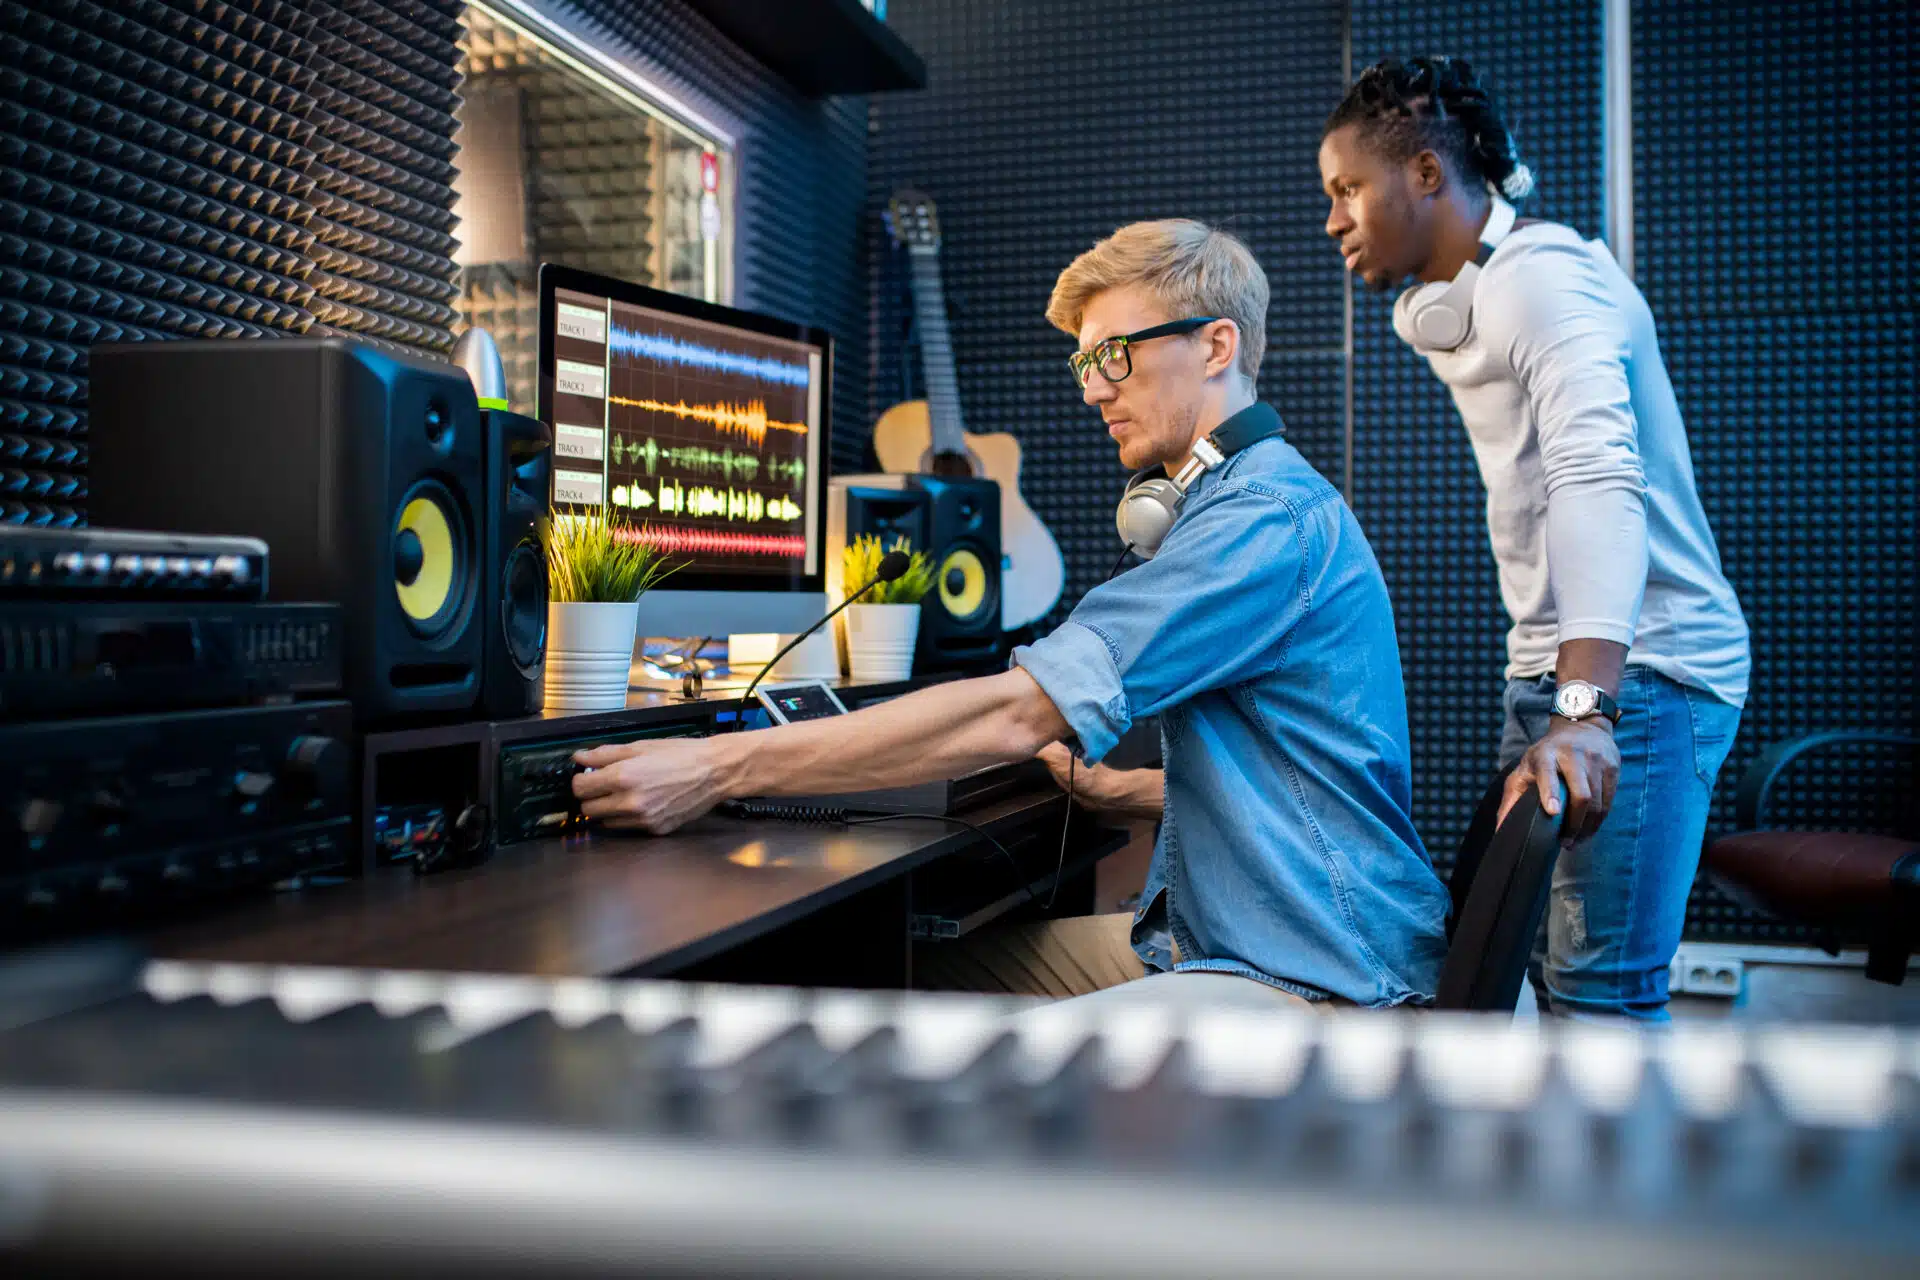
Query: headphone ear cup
point(1437, 316)
point(1147, 511)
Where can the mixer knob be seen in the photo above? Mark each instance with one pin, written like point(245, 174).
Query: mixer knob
point(107, 808)
point(316, 766)
point(38, 817)
point(250, 788)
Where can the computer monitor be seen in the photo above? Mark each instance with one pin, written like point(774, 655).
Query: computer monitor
point(704, 427)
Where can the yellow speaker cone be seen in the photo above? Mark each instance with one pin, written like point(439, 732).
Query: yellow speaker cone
point(423, 559)
point(963, 583)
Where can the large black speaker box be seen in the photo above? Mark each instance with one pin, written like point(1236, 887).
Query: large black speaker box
point(960, 618)
point(362, 470)
point(957, 523)
point(514, 565)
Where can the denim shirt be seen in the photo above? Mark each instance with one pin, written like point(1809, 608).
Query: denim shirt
point(1262, 636)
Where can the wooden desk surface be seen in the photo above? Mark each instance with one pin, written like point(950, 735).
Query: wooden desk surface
point(591, 906)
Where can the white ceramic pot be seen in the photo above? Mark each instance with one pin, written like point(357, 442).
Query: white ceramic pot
point(880, 640)
point(589, 655)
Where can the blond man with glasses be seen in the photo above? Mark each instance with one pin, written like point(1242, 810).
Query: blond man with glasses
point(1255, 627)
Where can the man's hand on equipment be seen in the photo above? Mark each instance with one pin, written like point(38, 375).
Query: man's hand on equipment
point(650, 786)
point(1126, 792)
point(1585, 755)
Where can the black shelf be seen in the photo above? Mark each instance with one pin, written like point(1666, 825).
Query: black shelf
point(823, 47)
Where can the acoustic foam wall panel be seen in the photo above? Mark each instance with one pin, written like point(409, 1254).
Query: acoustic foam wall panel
point(1775, 214)
point(1045, 125)
point(800, 189)
point(1417, 489)
point(209, 168)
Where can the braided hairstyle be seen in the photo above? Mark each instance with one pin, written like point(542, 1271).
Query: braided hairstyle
point(1438, 105)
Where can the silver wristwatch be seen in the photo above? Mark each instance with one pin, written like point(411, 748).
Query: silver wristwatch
point(1581, 699)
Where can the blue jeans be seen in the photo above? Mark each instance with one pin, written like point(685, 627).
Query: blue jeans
point(1619, 899)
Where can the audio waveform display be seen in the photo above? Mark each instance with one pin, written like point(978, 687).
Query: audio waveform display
point(679, 540)
point(749, 420)
point(701, 502)
point(710, 436)
point(704, 461)
point(664, 348)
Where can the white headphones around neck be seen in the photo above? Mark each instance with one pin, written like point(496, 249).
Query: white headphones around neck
point(1152, 501)
point(1438, 316)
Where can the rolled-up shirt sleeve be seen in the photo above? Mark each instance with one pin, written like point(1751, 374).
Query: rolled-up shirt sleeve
point(1212, 609)
point(1567, 341)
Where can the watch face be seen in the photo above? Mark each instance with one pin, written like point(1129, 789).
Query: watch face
point(1575, 700)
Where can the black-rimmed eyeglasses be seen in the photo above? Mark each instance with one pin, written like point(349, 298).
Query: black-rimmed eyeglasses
point(1111, 357)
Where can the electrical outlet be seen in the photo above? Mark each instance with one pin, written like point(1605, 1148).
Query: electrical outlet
point(1701, 974)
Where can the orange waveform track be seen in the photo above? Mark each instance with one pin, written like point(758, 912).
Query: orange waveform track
point(749, 420)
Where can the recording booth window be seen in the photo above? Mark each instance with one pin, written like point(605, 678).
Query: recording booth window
point(563, 160)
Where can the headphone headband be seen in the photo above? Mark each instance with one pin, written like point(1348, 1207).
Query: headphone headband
point(1152, 500)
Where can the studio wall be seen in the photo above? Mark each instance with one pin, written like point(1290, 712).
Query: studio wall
point(251, 168)
point(1774, 216)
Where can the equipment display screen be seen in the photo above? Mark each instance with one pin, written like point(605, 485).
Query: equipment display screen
point(708, 436)
point(790, 704)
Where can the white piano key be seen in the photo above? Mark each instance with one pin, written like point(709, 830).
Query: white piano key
point(1048, 1039)
point(171, 980)
point(1704, 1065)
point(477, 1004)
point(1603, 1064)
point(1840, 1076)
point(941, 1034)
point(304, 994)
point(1134, 1043)
point(1363, 1053)
point(648, 1006)
point(734, 1021)
point(238, 983)
point(1242, 1053)
point(1482, 1062)
point(842, 1019)
point(576, 1002)
point(401, 993)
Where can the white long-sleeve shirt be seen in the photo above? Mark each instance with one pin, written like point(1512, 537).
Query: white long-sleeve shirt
point(1596, 525)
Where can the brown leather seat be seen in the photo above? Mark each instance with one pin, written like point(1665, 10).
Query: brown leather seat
point(1845, 884)
point(1841, 880)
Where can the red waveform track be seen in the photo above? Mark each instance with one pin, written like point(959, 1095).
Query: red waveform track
point(674, 539)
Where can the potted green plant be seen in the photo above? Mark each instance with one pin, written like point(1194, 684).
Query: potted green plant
point(884, 626)
point(597, 570)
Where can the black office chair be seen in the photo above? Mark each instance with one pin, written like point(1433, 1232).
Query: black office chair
point(1499, 886)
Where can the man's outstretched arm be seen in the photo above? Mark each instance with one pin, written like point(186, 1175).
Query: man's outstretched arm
point(941, 732)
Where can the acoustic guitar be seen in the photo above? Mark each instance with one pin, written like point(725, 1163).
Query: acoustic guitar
point(927, 437)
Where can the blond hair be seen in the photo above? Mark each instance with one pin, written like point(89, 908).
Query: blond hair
point(1194, 269)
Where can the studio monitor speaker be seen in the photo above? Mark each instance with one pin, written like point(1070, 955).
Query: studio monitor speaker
point(519, 471)
point(362, 470)
point(957, 523)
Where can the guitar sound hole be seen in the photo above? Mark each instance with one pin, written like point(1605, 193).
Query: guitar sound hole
point(952, 466)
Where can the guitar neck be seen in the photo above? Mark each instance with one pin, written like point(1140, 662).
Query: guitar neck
point(936, 352)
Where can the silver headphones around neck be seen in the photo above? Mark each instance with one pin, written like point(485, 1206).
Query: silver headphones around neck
point(1438, 316)
point(1152, 501)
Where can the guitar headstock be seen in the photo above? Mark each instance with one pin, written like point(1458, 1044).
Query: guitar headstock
point(912, 220)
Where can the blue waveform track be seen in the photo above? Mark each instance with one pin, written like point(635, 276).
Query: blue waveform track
point(663, 349)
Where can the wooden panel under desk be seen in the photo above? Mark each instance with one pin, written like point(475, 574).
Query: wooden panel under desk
point(595, 906)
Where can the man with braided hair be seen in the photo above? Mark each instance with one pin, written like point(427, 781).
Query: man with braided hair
point(1628, 657)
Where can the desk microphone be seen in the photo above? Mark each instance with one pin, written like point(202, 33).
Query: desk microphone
point(892, 565)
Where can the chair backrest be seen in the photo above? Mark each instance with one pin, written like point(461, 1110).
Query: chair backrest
point(1499, 886)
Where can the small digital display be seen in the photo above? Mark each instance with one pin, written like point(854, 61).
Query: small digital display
point(793, 703)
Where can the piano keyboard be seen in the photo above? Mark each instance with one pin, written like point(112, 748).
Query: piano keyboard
point(462, 1119)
